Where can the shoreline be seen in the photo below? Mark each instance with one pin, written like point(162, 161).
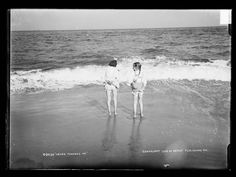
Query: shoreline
point(122, 84)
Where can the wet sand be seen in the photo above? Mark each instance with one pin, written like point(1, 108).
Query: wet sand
point(181, 128)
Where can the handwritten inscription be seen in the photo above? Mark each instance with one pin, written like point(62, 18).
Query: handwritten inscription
point(174, 150)
point(51, 154)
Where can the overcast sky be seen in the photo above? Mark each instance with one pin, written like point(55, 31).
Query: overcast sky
point(61, 19)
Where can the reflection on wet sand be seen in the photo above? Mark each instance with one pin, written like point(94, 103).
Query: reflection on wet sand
point(109, 135)
point(135, 144)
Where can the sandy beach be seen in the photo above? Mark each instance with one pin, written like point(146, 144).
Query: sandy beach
point(185, 125)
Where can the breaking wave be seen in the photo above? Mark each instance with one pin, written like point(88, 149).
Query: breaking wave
point(154, 69)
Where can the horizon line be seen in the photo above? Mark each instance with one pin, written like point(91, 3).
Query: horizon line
point(223, 25)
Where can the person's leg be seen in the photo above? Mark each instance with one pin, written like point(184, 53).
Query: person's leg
point(140, 99)
point(135, 103)
point(108, 91)
point(115, 100)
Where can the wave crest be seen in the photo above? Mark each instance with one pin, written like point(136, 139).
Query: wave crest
point(154, 69)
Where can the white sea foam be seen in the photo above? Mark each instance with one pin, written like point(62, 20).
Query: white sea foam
point(153, 69)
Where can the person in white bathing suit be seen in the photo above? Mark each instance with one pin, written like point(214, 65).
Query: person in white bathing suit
point(111, 84)
point(138, 84)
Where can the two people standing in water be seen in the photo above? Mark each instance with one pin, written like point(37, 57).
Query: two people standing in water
point(137, 82)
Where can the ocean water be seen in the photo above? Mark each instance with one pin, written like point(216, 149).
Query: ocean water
point(56, 60)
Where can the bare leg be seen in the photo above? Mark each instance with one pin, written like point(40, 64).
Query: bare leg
point(109, 101)
point(141, 103)
point(135, 103)
point(115, 100)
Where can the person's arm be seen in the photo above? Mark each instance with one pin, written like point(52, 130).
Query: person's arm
point(130, 80)
point(106, 80)
point(116, 79)
point(144, 82)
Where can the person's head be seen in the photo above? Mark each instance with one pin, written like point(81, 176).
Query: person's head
point(113, 63)
point(137, 66)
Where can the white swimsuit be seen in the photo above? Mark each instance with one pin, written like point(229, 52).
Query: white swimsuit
point(138, 81)
point(111, 75)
